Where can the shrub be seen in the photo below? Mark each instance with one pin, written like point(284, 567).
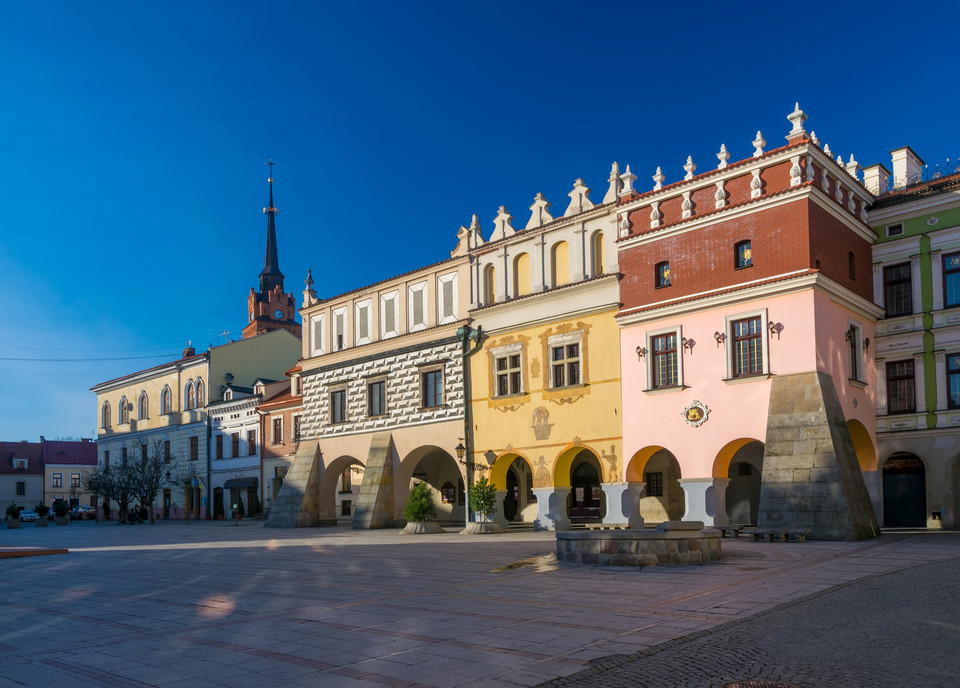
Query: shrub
point(255, 505)
point(483, 496)
point(13, 511)
point(420, 506)
point(240, 509)
point(61, 507)
point(41, 510)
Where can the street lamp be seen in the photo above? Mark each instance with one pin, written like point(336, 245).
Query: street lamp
point(461, 450)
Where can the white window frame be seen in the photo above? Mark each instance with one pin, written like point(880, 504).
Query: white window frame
point(441, 281)
point(339, 314)
point(385, 299)
point(443, 385)
point(505, 351)
point(651, 371)
point(729, 344)
point(412, 290)
point(366, 307)
point(367, 384)
point(318, 331)
point(563, 340)
point(346, 404)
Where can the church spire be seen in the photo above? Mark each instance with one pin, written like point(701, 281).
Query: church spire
point(271, 275)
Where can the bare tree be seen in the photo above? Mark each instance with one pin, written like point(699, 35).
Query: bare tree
point(117, 483)
point(154, 471)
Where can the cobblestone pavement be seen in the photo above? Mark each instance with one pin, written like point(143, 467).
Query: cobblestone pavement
point(215, 604)
point(895, 630)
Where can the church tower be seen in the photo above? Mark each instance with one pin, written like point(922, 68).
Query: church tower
point(270, 309)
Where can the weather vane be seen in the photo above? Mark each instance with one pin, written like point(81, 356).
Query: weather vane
point(271, 163)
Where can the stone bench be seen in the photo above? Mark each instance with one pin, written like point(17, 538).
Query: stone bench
point(777, 534)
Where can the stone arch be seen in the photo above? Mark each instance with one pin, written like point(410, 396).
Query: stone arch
point(904, 491)
point(512, 476)
point(744, 468)
point(863, 446)
point(721, 464)
point(434, 466)
point(586, 501)
point(639, 461)
point(663, 498)
point(330, 500)
point(521, 274)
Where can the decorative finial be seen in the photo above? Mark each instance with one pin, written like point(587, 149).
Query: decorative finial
point(813, 137)
point(722, 156)
point(613, 191)
point(690, 167)
point(658, 179)
point(796, 118)
point(758, 144)
point(539, 212)
point(627, 179)
point(309, 280)
point(826, 149)
point(853, 167)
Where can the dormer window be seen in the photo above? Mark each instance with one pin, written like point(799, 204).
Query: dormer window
point(228, 395)
point(20, 464)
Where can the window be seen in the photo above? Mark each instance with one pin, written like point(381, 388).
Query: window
point(166, 451)
point(219, 445)
point(74, 480)
point(201, 396)
point(665, 370)
point(901, 396)
point(521, 275)
point(21, 489)
point(448, 493)
point(743, 255)
point(277, 437)
point(565, 365)
point(56, 480)
point(662, 274)
point(339, 329)
point(894, 230)
point(431, 388)
point(654, 483)
point(559, 264)
point(251, 442)
point(855, 344)
point(124, 416)
point(296, 428)
point(951, 280)
point(417, 306)
point(338, 406)
point(194, 448)
point(508, 375)
point(953, 381)
point(166, 398)
point(123, 457)
point(852, 264)
point(105, 416)
point(447, 298)
point(596, 255)
point(235, 444)
point(747, 347)
point(190, 395)
point(345, 507)
point(106, 459)
point(346, 482)
point(489, 284)
point(377, 398)
point(142, 406)
point(898, 297)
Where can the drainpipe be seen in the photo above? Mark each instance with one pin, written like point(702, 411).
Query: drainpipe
point(466, 334)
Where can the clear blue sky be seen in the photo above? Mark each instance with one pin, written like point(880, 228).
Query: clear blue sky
point(134, 135)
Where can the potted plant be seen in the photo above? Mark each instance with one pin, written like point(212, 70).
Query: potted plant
point(420, 512)
point(42, 510)
point(13, 516)
point(61, 512)
point(483, 498)
point(255, 509)
point(240, 510)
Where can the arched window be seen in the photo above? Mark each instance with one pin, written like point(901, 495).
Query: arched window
point(521, 275)
point(142, 406)
point(201, 397)
point(166, 399)
point(489, 284)
point(190, 396)
point(124, 415)
point(559, 264)
point(105, 415)
point(596, 254)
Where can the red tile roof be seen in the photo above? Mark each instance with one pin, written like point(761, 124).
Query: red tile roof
point(77, 453)
point(32, 451)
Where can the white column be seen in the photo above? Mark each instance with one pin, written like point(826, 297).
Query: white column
point(941, 363)
point(498, 516)
point(552, 507)
point(501, 288)
point(881, 388)
point(878, 284)
point(918, 385)
point(936, 273)
point(706, 500)
point(538, 266)
point(618, 503)
point(915, 286)
point(578, 260)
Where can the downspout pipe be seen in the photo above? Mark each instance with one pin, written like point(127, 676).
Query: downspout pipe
point(466, 334)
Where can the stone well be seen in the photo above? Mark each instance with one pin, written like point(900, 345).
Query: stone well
point(673, 542)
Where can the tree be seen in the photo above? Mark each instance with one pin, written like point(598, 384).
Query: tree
point(483, 497)
point(152, 473)
point(420, 506)
point(117, 483)
point(91, 479)
point(255, 508)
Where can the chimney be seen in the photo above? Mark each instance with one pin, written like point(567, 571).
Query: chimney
point(907, 167)
point(877, 179)
point(189, 351)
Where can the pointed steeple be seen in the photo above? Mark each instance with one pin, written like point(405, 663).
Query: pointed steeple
point(271, 275)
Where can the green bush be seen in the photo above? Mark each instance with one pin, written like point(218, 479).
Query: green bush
point(420, 506)
point(255, 505)
point(61, 507)
point(483, 497)
point(240, 509)
point(13, 511)
point(41, 510)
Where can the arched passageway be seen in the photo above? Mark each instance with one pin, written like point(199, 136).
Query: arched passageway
point(339, 485)
point(904, 491)
point(745, 471)
point(437, 468)
point(659, 471)
point(587, 502)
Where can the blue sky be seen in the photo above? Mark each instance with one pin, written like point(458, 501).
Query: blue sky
point(134, 135)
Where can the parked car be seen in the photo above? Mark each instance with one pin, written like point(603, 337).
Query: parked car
point(84, 511)
point(28, 515)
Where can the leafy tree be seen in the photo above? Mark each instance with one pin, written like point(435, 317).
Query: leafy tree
point(483, 497)
point(255, 508)
point(240, 510)
point(420, 506)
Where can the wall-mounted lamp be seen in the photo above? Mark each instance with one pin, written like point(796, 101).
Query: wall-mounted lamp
point(775, 328)
point(641, 352)
point(461, 450)
point(721, 337)
point(866, 344)
point(688, 344)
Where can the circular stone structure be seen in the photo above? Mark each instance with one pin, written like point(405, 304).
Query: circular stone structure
point(673, 542)
point(422, 528)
